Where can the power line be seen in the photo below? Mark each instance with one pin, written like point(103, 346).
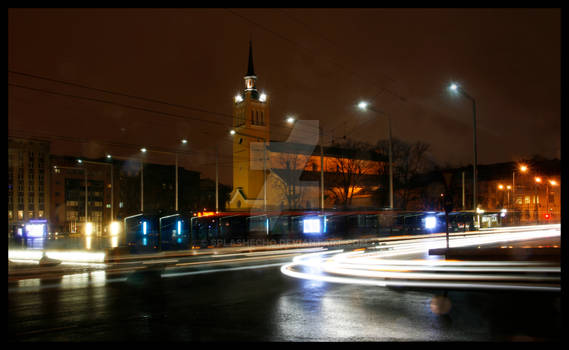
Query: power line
point(116, 104)
point(398, 96)
point(126, 95)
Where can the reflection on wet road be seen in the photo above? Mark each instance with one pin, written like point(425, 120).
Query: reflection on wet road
point(245, 297)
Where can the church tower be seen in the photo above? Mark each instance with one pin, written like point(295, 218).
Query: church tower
point(250, 132)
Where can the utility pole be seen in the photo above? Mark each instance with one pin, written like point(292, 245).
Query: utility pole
point(86, 196)
point(321, 172)
point(463, 194)
point(216, 182)
point(176, 182)
point(141, 186)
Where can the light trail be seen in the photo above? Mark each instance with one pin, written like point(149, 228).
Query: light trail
point(383, 265)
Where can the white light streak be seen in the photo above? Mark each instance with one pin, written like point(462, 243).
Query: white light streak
point(379, 265)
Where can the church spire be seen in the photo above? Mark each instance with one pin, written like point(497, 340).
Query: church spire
point(250, 70)
point(250, 77)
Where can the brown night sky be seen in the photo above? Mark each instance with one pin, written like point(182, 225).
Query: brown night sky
point(313, 63)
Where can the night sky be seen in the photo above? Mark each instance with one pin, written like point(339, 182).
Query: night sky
point(312, 63)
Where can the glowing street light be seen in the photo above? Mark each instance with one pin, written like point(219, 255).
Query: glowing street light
point(232, 132)
point(457, 89)
point(143, 150)
point(184, 141)
point(290, 120)
point(364, 106)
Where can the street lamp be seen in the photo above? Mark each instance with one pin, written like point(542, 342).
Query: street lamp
point(548, 182)
point(365, 106)
point(144, 150)
point(233, 132)
point(112, 182)
point(457, 89)
point(291, 120)
point(85, 172)
point(522, 169)
point(502, 188)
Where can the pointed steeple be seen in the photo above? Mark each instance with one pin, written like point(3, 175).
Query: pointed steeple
point(250, 69)
point(250, 78)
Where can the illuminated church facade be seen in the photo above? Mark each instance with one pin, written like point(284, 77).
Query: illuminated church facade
point(280, 175)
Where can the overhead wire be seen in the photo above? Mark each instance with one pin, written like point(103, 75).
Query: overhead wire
point(195, 109)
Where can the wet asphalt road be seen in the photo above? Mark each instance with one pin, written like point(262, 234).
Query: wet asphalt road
point(254, 301)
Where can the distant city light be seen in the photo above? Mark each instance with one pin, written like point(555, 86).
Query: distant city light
point(115, 228)
point(453, 87)
point(35, 230)
point(143, 150)
point(263, 98)
point(184, 141)
point(232, 132)
point(538, 179)
point(109, 156)
point(553, 182)
point(500, 186)
point(238, 98)
point(88, 229)
point(144, 228)
point(79, 161)
point(290, 120)
point(362, 105)
point(523, 168)
point(430, 222)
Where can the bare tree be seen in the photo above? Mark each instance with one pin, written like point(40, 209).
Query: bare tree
point(291, 167)
point(409, 160)
point(355, 163)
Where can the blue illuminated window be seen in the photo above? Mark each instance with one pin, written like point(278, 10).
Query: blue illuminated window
point(311, 225)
